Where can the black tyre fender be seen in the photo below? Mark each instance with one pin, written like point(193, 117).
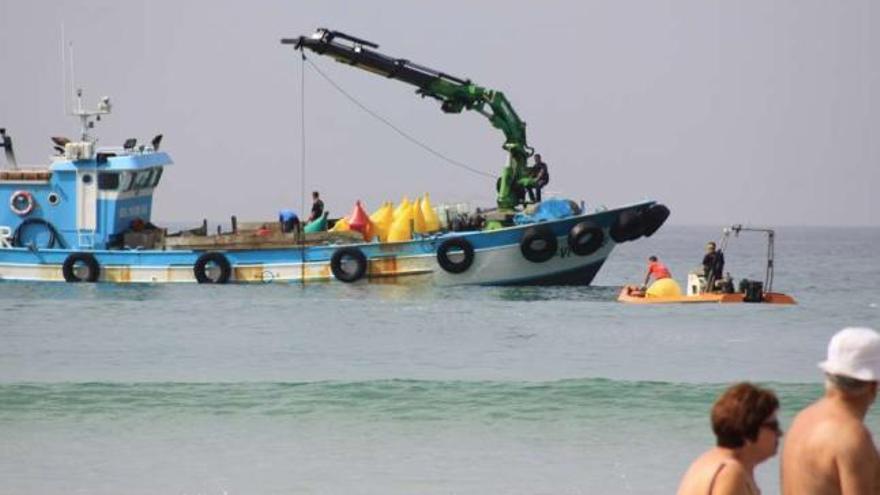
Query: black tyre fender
point(538, 254)
point(585, 238)
point(67, 269)
point(458, 243)
point(348, 252)
point(201, 265)
point(629, 226)
point(654, 217)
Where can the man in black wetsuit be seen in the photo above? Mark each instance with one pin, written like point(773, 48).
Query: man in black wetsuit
point(317, 207)
point(542, 177)
point(713, 266)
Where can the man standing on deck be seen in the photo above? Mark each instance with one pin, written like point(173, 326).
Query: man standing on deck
point(829, 449)
point(317, 207)
point(542, 177)
point(713, 266)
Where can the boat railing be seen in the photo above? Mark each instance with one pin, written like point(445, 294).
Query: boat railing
point(26, 175)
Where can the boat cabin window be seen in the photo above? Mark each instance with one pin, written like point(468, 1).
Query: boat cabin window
point(129, 181)
point(143, 179)
point(125, 181)
point(108, 181)
point(157, 175)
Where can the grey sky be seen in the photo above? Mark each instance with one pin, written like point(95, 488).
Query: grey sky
point(739, 111)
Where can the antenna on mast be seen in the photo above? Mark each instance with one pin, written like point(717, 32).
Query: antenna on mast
point(85, 116)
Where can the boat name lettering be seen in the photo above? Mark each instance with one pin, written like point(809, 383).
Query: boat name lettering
point(133, 211)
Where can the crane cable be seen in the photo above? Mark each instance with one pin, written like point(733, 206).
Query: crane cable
point(395, 128)
point(300, 231)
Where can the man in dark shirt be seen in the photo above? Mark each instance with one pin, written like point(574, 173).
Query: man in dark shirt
point(317, 207)
point(542, 177)
point(713, 266)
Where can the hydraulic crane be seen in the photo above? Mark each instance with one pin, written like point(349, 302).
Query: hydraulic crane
point(455, 94)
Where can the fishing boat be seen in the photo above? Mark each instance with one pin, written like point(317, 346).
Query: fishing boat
point(87, 215)
point(703, 290)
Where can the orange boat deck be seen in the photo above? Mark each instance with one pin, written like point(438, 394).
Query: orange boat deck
point(628, 295)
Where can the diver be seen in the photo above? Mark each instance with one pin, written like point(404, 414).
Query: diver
point(541, 175)
point(713, 266)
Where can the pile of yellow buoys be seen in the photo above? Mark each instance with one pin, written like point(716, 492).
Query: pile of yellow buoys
point(390, 224)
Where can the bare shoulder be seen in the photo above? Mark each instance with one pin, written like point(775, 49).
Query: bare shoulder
point(702, 471)
point(855, 440)
point(851, 435)
point(732, 480)
point(857, 460)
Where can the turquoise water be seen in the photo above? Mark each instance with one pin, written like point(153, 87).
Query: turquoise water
point(408, 388)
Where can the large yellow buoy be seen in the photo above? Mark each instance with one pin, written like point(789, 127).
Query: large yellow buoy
point(401, 229)
point(418, 217)
point(381, 220)
point(665, 287)
point(341, 225)
point(432, 222)
point(404, 208)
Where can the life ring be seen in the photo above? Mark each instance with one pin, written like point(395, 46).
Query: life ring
point(200, 268)
point(348, 254)
point(585, 238)
point(22, 203)
point(459, 244)
point(628, 226)
point(72, 266)
point(538, 244)
point(654, 218)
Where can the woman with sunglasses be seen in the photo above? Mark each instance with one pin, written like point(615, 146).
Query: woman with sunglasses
point(747, 433)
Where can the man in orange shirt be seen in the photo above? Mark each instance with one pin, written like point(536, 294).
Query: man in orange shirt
point(657, 269)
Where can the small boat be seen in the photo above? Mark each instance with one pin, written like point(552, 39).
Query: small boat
point(700, 290)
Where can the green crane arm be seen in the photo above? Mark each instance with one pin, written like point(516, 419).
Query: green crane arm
point(455, 95)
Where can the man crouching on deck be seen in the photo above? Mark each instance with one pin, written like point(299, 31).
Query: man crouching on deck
point(829, 449)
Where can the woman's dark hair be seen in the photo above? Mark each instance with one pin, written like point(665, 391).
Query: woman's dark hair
point(652, 258)
point(739, 413)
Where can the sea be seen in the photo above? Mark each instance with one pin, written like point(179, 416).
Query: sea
point(408, 388)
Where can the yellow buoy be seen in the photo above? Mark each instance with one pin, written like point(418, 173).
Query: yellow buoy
point(381, 220)
point(665, 287)
point(432, 222)
point(401, 229)
point(418, 217)
point(404, 208)
point(341, 225)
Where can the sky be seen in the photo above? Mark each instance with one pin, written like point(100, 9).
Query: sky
point(756, 111)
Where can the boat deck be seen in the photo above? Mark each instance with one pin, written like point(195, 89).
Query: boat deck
point(631, 296)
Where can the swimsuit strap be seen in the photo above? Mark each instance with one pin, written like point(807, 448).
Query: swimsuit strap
point(715, 476)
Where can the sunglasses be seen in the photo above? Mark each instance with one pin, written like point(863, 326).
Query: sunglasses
point(772, 425)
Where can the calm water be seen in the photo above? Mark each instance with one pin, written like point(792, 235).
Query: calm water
point(409, 388)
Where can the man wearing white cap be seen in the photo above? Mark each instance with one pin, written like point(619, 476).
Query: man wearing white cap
point(829, 449)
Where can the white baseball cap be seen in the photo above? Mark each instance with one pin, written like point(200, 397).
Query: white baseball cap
point(855, 353)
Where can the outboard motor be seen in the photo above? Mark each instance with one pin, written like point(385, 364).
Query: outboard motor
point(753, 291)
